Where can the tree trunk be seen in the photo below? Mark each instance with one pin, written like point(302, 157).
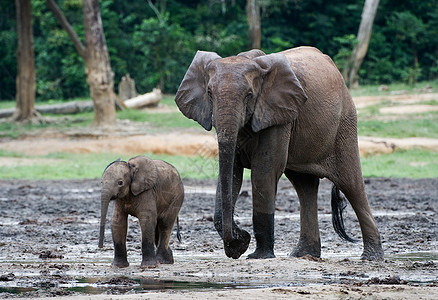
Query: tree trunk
point(361, 48)
point(253, 17)
point(100, 77)
point(25, 82)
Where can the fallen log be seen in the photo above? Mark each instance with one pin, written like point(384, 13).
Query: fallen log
point(73, 107)
point(148, 99)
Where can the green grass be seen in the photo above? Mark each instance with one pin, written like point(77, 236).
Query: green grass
point(401, 128)
point(373, 90)
point(88, 166)
point(165, 120)
point(410, 164)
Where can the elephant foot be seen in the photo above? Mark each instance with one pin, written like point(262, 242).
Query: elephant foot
point(236, 247)
point(165, 256)
point(372, 251)
point(120, 263)
point(149, 263)
point(306, 248)
point(261, 254)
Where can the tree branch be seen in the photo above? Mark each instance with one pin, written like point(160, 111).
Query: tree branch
point(82, 50)
point(160, 19)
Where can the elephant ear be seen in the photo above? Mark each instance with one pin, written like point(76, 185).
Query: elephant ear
point(144, 174)
point(191, 97)
point(281, 94)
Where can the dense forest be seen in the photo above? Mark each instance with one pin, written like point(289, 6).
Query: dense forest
point(155, 41)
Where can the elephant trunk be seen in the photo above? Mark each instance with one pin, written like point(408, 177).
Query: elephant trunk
point(105, 199)
point(226, 162)
point(227, 127)
point(228, 123)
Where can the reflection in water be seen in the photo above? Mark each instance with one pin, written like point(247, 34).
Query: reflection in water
point(123, 284)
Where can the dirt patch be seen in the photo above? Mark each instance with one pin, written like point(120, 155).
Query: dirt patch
point(49, 233)
point(408, 109)
point(363, 101)
point(15, 161)
point(175, 143)
point(190, 142)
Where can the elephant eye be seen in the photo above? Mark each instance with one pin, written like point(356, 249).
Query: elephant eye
point(248, 96)
point(210, 94)
point(120, 182)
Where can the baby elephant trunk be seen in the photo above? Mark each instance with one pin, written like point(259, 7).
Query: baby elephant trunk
point(105, 199)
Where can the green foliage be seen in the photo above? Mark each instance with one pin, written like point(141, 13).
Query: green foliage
point(346, 45)
point(163, 47)
point(156, 48)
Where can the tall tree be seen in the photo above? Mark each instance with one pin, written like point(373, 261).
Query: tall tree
point(253, 17)
point(363, 37)
point(100, 77)
point(25, 82)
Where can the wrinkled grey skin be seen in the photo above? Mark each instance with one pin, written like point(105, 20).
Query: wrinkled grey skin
point(150, 190)
point(284, 113)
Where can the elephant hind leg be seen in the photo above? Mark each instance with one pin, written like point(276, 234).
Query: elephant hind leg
point(353, 188)
point(338, 205)
point(306, 186)
point(164, 254)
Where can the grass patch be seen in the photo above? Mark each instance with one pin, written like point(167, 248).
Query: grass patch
point(373, 90)
point(90, 166)
point(410, 164)
point(426, 126)
point(414, 163)
point(165, 120)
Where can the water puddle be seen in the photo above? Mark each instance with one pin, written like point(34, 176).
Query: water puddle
point(123, 285)
point(414, 256)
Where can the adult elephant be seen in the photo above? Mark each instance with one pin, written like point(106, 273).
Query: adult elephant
point(287, 112)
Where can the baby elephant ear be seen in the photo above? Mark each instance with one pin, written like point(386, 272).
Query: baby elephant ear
point(281, 94)
point(191, 97)
point(143, 174)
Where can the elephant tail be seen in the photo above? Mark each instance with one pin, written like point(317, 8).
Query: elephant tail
point(339, 203)
point(178, 233)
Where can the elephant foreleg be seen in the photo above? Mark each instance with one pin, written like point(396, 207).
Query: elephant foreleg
point(148, 224)
point(306, 187)
point(264, 191)
point(119, 232)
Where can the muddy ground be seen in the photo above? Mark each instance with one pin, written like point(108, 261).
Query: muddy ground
point(49, 236)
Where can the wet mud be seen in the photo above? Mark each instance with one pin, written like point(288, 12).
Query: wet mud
point(49, 235)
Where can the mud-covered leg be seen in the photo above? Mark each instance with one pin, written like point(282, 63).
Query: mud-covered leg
point(306, 187)
point(264, 189)
point(372, 246)
point(148, 223)
point(267, 166)
point(242, 237)
point(349, 180)
point(119, 226)
point(164, 253)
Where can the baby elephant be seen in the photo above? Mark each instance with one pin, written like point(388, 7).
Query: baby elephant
point(150, 190)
